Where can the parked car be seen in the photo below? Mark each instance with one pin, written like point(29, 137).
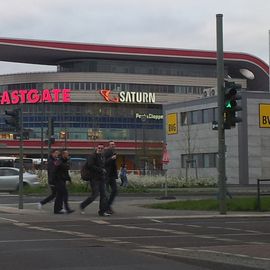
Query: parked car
point(9, 179)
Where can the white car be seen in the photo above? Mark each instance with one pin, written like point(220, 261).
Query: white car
point(9, 179)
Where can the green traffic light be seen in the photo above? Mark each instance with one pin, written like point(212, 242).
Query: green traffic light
point(228, 105)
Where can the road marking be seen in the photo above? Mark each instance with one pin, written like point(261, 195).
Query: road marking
point(250, 231)
point(157, 221)
point(150, 229)
point(21, 224)
point(232, 254)
point(151, 236)
point(43, 240)
point(99, 221)
point(194, 226)
point(9, 220)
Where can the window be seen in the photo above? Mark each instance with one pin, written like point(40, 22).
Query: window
point(201, 160)
point(209, 160)
point(196, 117)
point(184, 118)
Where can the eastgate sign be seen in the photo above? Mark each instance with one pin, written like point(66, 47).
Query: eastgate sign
point(35, 96)
point(128, 97)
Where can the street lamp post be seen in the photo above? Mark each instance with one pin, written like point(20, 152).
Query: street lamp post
point(144, 119)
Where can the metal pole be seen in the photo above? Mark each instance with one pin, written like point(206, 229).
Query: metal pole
point(49, 134)
point(166, 183)
point(42, 136)
point(144, 119)
point(269, 57)
point(21, 161)
point(221, 133)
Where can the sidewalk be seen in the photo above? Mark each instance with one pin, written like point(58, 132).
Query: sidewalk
point(126, 206)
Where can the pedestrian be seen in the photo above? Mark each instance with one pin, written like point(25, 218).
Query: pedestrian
point(61, 177)
point(123, 176)
point(95, 164)
point(111, 173)
point(51, 165)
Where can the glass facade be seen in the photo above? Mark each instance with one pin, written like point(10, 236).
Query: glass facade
point(139, 67)
point(80, 121)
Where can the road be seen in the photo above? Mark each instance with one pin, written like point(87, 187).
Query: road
point(133, 238)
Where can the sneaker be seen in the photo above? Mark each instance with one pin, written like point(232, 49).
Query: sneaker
point(39, 206)
point(105, 214)
point(69, 211)
point(110, 211)
point(62, 211)
point(82, 210)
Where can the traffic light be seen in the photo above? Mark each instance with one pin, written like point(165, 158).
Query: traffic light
point(13, 119)
point(231, 107)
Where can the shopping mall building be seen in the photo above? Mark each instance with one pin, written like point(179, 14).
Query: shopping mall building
point(109, 92)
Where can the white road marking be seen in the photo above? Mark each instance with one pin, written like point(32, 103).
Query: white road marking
point(99, 221)
point(156, 220)
point(149, 229)
point(194, 226)
point(43, 240)
point(8, 219)
point(232, 254)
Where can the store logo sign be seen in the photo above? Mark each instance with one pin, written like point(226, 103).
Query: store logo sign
point(108, 96)
point(264, 114)
point(128, 97)
point(149, 116)
point(172, 124)
point(35, 96)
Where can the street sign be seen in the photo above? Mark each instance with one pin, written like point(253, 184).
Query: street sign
point(214, 125)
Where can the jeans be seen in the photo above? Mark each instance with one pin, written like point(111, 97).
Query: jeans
point(98, 188)
point(111, 182)
point(61, 196)
point(50, 197)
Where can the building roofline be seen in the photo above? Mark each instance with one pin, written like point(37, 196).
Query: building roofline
point(37, 47)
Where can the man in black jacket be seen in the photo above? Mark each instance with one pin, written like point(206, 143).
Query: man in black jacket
point(95, 164)
point(111, 173)
point(51, 165)
point(61, 177)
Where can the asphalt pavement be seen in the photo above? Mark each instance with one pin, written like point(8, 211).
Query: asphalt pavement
point(206, 230)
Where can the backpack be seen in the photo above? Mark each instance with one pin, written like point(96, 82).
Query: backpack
point(85, 172)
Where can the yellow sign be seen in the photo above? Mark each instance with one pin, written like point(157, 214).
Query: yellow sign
point(172, 123)
point(264, 112)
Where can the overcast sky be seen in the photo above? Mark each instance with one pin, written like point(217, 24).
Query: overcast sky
point(153, 23)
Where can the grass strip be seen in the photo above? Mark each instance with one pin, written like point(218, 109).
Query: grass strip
point(235, 204)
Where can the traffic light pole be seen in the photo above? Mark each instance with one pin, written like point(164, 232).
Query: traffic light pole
point(221, 132)
point(21, 161)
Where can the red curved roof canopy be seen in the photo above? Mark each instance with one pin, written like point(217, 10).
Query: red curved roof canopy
point(54, 52)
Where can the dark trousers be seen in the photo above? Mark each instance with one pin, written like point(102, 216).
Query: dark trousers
point(51, 196)
point(98, 188)
point(111, 182)
point(61, 196)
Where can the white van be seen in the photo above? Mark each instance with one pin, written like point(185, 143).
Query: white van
point(15, 162)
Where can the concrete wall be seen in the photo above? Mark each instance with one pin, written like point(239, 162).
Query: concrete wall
point(258, 142)
point(247, 145)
